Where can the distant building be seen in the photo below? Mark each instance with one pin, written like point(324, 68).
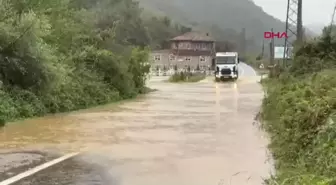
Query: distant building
point(191, 49)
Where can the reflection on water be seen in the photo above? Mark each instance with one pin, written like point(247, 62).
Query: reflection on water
point(183, 134)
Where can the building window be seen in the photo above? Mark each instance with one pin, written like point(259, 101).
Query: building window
point(198, 46)
point(188, 59)
point(202, 59)
point(172, 57)
point(157, 57)
point(204, 46)
point(188, 46)
point(180, 45)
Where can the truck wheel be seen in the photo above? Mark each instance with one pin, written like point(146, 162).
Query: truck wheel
point(217, 79)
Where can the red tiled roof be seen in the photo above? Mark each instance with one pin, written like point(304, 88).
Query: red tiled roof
point(194, 36)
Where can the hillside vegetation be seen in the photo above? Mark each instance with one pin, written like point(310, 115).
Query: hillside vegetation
point(64, 55)
point(223, 18)
point(299, 112)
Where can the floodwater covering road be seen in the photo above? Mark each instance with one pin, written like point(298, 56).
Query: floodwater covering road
point(183, 134)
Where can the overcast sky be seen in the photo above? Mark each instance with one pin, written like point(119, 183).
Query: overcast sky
point(314, 11)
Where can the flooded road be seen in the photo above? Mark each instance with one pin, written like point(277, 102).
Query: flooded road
point(182, 134)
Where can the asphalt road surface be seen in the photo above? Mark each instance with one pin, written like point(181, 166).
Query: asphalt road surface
point(182, 134)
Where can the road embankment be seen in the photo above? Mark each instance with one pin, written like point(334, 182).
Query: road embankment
point(299, 115)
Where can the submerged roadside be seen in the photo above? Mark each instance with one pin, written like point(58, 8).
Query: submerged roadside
point(171, 136)
point(28, 105)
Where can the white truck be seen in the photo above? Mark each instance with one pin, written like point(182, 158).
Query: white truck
point(226, 65)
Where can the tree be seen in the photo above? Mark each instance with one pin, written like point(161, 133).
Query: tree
point(166, 21)
point(225, 46)
point(175, 68)
point(63, 55)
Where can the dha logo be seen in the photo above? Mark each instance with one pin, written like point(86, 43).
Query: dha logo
point(271, 35)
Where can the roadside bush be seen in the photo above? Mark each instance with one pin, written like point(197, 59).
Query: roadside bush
point(297, 115)
point(255, 62)
point(186, 77)
point(58, 56)
point(298, 112)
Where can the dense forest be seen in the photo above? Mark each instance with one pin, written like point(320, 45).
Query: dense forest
point(62, 55)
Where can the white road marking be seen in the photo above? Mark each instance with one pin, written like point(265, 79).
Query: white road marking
point(218, 98)
point(251, 68)
point(254, 71)
point(37, 169)
point(242, 71)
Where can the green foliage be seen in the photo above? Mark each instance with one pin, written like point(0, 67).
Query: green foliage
point(299, 114)
point(186, 77)
point(315, 55)
point(225, 46)
point(256, 62)
point(198, 68)
point(162, 29)
point(57, 56)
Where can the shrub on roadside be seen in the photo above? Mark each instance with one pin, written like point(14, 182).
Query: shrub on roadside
point(186, 77)
point(58, 56)
point(298, 112)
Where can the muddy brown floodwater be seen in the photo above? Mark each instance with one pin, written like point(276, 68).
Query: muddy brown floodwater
point(183, 134)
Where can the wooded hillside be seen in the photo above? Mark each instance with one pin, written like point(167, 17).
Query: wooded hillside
point(223, 18)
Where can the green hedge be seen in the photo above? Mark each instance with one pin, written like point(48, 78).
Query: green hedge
point(187, 77)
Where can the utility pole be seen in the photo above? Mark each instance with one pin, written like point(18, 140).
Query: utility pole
point(333, 16)
point(272, 50)
point(263, 49)
point(243, 42)
point(294, 28)
point(332, 21)
point(299, 23)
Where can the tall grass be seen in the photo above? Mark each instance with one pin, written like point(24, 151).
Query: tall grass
point(299, 112)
